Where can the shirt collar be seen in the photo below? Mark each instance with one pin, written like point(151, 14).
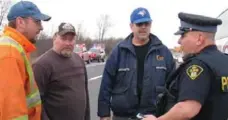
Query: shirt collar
point(21, 39)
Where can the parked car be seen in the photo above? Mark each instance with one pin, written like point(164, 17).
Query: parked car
point(83, 54)
point(103, 55)
point(97, 55)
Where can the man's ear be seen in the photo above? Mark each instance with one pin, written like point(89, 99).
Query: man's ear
point(55, 36)
point(201, 39)
point(20, 23)
point(131, 25)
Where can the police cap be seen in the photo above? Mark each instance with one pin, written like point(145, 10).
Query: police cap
point(193, 22)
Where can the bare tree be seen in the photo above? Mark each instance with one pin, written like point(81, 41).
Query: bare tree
point(43, 36)
point(80, 32)
point(103, 25)
point(4, 6)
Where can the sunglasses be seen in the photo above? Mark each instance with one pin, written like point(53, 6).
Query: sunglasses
point(143, 23)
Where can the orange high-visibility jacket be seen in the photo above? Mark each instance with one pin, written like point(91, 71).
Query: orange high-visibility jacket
point(19, 96)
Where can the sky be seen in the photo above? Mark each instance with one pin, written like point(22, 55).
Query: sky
point(164, 14)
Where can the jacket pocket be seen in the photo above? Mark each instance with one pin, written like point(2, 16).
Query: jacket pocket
point(120, 94)
point(159, 76)
point(123, 80)
point(160, 72)
point(120, 103)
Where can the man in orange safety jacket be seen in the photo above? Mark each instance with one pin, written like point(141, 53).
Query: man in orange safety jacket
point(19, 95)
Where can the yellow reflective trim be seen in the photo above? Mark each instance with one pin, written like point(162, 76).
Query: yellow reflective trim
point(24, 117)
point(35, 104)
point(5, 40)
point(9, 44)
point(33, 99)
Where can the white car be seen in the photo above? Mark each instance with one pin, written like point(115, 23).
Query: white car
point(83, 54)
point(102, 53)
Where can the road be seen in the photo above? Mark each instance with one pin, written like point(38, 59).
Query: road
point(94, 71)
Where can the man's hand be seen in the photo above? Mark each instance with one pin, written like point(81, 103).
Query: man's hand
point(105, 118)
point(149, 117)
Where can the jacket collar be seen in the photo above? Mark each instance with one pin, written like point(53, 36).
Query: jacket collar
point(21, 39)
point(204, 50)
point(209, 48)
point(127, 43)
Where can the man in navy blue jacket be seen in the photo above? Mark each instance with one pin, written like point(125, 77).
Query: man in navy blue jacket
point(136, 67)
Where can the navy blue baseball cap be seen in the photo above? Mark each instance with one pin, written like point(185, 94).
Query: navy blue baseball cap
point(26, 9)
point(140, 15)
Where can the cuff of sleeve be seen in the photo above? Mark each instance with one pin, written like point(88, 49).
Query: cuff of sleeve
point(103, 111)
point(191, 96)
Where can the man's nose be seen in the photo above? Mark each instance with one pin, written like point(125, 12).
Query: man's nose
point(41, 27)
point(179, 41)
point(68, 42)
point(144, 25)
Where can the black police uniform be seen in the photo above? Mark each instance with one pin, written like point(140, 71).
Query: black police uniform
point(202, 77)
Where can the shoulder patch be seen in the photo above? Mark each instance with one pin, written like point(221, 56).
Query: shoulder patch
point(194, 71)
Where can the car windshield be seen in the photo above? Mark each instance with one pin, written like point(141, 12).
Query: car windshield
point(94, 50)
point(77, 49)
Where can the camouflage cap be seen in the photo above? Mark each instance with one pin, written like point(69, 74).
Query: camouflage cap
point(66, 28)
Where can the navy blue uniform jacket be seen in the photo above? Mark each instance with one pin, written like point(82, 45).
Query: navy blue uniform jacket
point(118, 90)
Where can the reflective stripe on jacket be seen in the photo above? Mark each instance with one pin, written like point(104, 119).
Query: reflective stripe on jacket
point(20, 98)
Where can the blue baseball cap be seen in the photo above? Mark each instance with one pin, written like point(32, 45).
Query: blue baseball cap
point(26, 9)
point(140, 15)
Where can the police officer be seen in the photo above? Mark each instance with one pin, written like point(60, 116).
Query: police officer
point(200, 85)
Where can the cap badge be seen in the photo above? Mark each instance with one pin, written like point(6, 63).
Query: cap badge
point(142, 13)
point(68, 26)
